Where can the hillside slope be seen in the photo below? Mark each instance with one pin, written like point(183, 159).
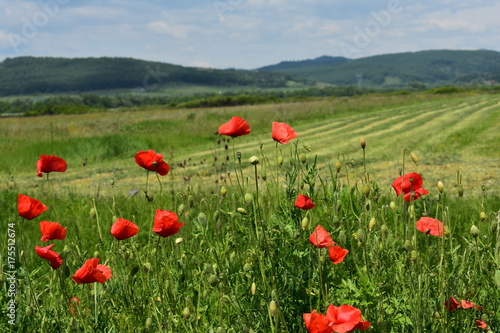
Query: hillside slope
point(432, 68)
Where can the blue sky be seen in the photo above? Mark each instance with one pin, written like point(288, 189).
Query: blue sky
point(243, 33)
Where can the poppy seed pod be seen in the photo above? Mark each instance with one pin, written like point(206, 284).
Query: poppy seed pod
point(254, 160)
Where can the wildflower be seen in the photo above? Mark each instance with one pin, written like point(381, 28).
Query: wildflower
point(283, 133)
point(50, 163)
point(304, 202)
point(92, 272)
point(337, 254)
point(52, 230)
point(430, 226)
point(53, 257)
point(235, 127)
point(166, 223)
point(452, 304)
point(28, 207)
point(481, 324)
point(344, 318)
point(411, 185)
point(151, 161)
point(123, 229)
point(321, 238)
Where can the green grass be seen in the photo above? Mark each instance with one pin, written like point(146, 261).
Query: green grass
point(397, 276)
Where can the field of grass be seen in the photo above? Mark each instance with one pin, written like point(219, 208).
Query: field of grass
point(243, 261)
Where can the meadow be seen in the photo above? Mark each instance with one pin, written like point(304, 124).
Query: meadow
point(244, 261)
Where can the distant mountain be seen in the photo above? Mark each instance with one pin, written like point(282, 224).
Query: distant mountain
point(432, 68)
point(31, 75)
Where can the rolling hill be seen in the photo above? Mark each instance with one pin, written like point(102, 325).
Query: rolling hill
point(32, 75)
point(430, 68)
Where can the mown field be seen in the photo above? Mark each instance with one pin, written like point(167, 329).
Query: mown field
point(243, 262)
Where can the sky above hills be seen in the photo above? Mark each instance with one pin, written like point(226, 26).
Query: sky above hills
point(243, 33)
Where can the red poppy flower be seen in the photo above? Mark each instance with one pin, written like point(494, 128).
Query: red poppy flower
point(346, 318)
point(304, 202)
point(28, 207)
point(52, 230)
point(316, 322)
point(482, 324)
point(50, 163)
point(337, 254)
point(320, 238)
point(411, 185)
point(430, 226)
point(235, 127)
point(92, 272)
point(166, 223)
point(46, 253)
point(123, 229)
point(283, 133)
point(151, 161)
point(451, 304)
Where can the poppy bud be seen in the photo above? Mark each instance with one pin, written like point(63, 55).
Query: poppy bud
point(179, 240)
point(338, 166)
point(92, 213)
point(216, 215)
point(303, 158)
point(247, 267)
point(253, 289)
point(232, 257)
point(482, 216)
point(361, 236)
point(414, 158)
point(186, 313)
point(280, 160)
point(372, 224)
point(474, 231)
point(273, 307)
point(180, 209)
point(362, 142)
point(202, 218)
point(385, 231)
point(96, 254)
point(134, 270)
point(149, 323)
point(304, 223)
point(29, 311)
point(392, 205)
point(414, 255)
point(342, 236)
point(437, 315)
point(242, 211)
point(220, 330)
point(407, 245)
point(213, 280)
point(248, 198)
point(147, 267)
point(440, 186)
point(112, 182)
point(365, 189)
point(254, 160)
point(307, 147)
point(263, 175)
point(238, 156)
point(411, 211)
point(190, 201)
point(460, 190)
point(223, 191)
